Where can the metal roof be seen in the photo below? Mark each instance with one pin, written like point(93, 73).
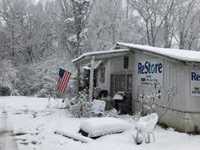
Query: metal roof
point(101, 54)
point(178, 54)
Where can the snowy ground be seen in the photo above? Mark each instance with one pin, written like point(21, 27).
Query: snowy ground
point(38, 120)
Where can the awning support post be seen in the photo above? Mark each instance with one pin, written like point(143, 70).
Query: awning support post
point(91, 86)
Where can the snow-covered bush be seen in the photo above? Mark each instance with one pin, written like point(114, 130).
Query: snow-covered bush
point(27, 83)
point(43, 93)
point(5, 91)
point(48, 87)
point(7, 77)
point(71, 91)
point(148, 99)
point(81, 106)
point(33, 82)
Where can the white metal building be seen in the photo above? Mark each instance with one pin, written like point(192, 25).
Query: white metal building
point(159, 79)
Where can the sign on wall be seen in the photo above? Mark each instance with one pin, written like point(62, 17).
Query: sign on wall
point(195, 83)
point(150, 72)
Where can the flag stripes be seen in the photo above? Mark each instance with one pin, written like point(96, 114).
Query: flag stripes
point(63, 80)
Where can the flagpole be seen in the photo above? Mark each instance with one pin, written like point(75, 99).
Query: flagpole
point(64, 97)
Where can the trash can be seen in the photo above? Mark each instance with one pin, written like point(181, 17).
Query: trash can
point(118, 99)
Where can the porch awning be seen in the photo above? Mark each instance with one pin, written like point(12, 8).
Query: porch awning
point(99, 55)
point(96, 65)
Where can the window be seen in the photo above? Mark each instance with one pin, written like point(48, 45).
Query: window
point(102, 74)
point(126, 62)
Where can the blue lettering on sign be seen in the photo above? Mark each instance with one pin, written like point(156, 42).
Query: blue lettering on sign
point(148, 68)
point(195, 76)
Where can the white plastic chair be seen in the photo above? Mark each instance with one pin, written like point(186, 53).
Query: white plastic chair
point(146, 126)
point(98, 107)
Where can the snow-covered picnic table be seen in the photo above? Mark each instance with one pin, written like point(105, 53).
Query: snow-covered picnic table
point(95, 127)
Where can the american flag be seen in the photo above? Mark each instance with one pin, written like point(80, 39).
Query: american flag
point(63, 80)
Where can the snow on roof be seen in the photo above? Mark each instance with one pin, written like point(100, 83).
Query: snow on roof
point(96, 65)
point(99, 53)
point(179, 54)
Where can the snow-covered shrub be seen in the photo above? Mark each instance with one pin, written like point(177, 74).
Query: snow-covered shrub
point(71, 88)
point(26, 83)
point(15, 92)
point(81, 106)
point(33, 82)
point(7, 76)
point(48, 87)
point(5, 91)
point(43, 93)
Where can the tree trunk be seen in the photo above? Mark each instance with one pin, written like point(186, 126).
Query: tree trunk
point(181, 43)
point(167, 43)
point(12, 41)
point(78, 78)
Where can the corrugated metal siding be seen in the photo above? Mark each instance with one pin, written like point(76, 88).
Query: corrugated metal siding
point(176, 78)
point(193, 102)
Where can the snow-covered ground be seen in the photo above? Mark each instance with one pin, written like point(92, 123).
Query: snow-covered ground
point(37, 120)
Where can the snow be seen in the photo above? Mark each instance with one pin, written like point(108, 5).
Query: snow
point(40, 119)
point(75, 136)
point(179, 54)
point(102, 126)
point(118, 97)
point(69, 20)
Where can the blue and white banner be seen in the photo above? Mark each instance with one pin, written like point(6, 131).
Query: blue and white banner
point(150, 72)
point(195, 83)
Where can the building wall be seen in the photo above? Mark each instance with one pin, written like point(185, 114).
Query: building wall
point(117, 65)
point(145, 88)
point(105, 84)
point(113, 66)
point(193, 104)
point(187, 119)
point(177, 107)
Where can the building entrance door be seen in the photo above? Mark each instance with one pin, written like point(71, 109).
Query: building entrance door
point(122, 83)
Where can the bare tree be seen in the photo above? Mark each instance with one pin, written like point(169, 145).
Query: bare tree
point(105, 23)
point(188, 16)
point(154, 15)
point(27, 28)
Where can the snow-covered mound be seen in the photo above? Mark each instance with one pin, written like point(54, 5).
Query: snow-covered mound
point(96, 127)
